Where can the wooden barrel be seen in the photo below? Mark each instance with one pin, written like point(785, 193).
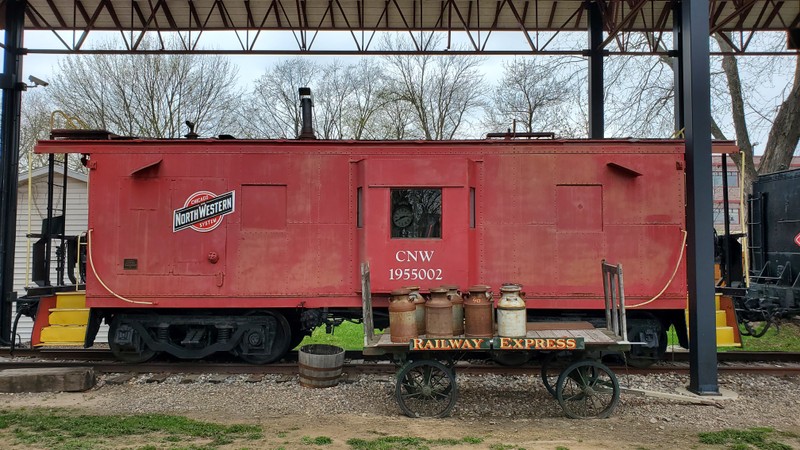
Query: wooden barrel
point(320, 365)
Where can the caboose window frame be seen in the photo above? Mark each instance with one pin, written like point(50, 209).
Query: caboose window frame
point(415, 212)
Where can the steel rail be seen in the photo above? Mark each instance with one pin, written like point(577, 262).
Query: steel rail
point(94, 354)
point(370, 367)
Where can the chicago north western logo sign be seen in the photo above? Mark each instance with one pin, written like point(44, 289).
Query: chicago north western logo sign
point(203, 211)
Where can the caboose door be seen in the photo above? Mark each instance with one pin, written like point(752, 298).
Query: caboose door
point(201, 209)
point(414, 220)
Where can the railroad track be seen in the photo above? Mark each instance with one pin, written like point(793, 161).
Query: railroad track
point(773, 363)
point(102, 354)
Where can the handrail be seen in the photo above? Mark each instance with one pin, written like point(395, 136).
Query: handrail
point(614, 295)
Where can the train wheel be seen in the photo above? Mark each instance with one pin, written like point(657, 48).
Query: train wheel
point(646, 328)
point(134, 350)
point(426, 388)
point(587, 389)
point(266, 339)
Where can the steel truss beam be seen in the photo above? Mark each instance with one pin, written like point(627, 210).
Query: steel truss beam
point(467, 25)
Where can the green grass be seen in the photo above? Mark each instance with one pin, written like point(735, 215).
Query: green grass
point(61, 429)
point(407, 443)
point(348, 335)
point(319, 440)
point(752, 438)
point(785, 339)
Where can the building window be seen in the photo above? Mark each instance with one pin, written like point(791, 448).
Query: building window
point(733, 213)
point(733, 178)
point(416, 213)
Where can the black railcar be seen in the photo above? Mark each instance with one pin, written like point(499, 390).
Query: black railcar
point(774, 247)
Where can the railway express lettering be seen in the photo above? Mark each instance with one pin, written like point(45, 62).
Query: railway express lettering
point(203, 211)
point(565, 343)
point(450, 344)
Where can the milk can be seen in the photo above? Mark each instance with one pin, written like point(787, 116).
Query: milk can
point(402, 320)
point(438, 314)
point(458, 308)
point(511, 312)
point(478, 320)
point(419, 303)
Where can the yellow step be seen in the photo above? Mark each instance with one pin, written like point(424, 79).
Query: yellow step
point(71, 299)
point(725, 333)
point(61, 344)
point(725, 337)
point(722, 318)
point(69, 316)
point(63, 333)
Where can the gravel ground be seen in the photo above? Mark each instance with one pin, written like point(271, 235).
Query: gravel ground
point(514, 409)
point(760, 399)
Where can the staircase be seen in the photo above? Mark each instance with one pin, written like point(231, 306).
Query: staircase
point(61, 320)
point(727, 328)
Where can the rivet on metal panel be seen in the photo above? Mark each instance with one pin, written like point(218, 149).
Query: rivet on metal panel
point(679, 165)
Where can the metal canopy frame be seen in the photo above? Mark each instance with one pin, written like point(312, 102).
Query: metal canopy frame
point(609, 24)
point(474, 23)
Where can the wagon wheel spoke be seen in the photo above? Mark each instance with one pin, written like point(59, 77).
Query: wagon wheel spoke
point(426, 388)
point(587, 389)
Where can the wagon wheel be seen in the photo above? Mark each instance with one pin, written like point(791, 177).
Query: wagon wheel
point(552, 366)
point(587, 389)
point(270, 327)
point(426, 388)
point(138, 354)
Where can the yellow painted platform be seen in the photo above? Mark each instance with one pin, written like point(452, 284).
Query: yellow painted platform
point(66, 324)
point(63, 333)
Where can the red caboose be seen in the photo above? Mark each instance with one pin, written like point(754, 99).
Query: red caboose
point(206, 245)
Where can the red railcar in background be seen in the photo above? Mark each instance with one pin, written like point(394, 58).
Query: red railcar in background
point(205, 245)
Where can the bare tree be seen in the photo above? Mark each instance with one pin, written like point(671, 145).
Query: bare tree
point(784, 132)
point(274, 109)
point(34, 125)
point(148, 94)
point(442, 91)
point(528, 95)
point(332, 101)
point(367, 98)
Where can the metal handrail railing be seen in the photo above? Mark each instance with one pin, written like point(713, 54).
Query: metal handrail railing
point(614, 295)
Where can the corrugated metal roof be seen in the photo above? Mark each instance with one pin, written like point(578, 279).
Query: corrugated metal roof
point(531, 15)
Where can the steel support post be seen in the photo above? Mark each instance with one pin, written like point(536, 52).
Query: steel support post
point(699, 218)
point(677, 68)
point(595, 53)
point(9, 156)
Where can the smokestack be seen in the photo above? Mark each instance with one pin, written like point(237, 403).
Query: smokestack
point(307, 132)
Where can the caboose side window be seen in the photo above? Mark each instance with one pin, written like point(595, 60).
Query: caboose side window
point(416, 213)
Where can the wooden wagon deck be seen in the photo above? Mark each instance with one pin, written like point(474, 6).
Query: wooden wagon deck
point(591, 337)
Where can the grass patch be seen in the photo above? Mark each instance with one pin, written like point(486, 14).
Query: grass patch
point(785, 339)
point(759, 438)
point(61, 429)
point(348, 335)
point(407, 443)
point(319, 440)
